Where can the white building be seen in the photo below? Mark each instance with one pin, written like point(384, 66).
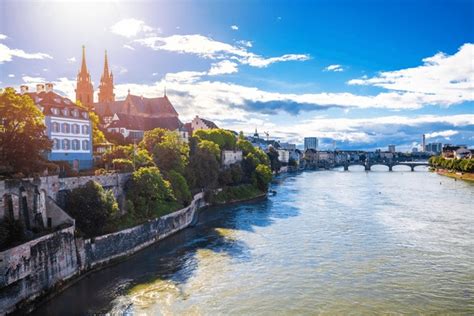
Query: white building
point(310, 143)
point(391, 148)
point(200, 123)
point(229, 157)
point(283, 155)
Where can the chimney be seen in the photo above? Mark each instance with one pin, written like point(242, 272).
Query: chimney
point(39, 87)
point(49, 87)
point(23, 89)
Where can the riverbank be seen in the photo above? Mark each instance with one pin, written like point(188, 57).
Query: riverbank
point(101, 252)
point(466, 176)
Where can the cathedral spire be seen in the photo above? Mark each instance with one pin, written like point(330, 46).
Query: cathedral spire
point(84, 89)
point(106, 88)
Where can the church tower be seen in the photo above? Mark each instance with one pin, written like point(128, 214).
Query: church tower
point(106, 87)
point(84, 89)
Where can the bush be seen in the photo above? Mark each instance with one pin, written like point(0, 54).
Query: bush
point(180, 188)
point(234, 194)
point(263, 176)
point(92, 207)
point(149, 191)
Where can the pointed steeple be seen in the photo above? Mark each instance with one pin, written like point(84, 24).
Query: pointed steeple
point(106, 88)
point(84, 89)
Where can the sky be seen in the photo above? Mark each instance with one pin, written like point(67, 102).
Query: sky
point(357, 74)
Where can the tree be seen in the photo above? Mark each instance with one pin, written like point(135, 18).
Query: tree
point(226, 140)
point(120, 157)
point(211, 147)
point(23, 141)
point(273, 156)
point(92, 207)
point(148, 191)
point(263, 176)
point(168, 150)
point(180, 188)
point(203, 169)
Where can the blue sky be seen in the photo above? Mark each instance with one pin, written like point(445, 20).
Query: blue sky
point(363, 73)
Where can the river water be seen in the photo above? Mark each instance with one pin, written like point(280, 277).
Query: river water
point(329, 242)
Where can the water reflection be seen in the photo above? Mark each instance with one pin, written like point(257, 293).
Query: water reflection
point(329, 242)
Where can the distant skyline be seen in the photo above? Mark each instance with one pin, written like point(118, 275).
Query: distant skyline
point(363, 73)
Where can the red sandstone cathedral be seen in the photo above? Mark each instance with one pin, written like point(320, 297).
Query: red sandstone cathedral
point(130, 117)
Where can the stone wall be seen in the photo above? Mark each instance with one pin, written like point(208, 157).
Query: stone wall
point(28, 270)
point(102, 249)
point(31, 269)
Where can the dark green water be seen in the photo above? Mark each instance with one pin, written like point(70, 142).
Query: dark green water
point(329, 242)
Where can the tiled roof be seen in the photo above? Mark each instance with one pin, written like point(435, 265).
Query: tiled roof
point(142, 123)
point(50, 99)
point(156, 107)
point(209, 124)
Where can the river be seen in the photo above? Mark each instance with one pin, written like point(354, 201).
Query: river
point(329, 242)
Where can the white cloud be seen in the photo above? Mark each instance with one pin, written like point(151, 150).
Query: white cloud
point(29, 79)
point(7, 54)
point(244, 43)
point(442, 79)
point(71, 60)
point(206, 47)
point(3, 36)
point(128, 47)
point(223, 67)
point(234, 27)
point(444, 134)
point(131, 27)
point(335, 68)
point(11, 76)
point(119, 69)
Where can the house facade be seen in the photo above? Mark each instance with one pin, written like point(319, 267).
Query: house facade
point(68, 126)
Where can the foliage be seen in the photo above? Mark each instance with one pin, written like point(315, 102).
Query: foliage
point(123, 165)
point(168, 150)
point(92, 207)
point(203, 169)
point(98, 136)
point(23, 141)
point(226, 140)
point(180, 188)
point(263, 176)
point(275, 164)
point(11, 232)
point(148, 191)
point(211, 147)
point(235, 193)
point(137, 157)
point(462, 165)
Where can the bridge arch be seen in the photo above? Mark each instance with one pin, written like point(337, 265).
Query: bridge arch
point(387, 167)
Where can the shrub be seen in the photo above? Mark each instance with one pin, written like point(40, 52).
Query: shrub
point(92, 207)
point(180, 187)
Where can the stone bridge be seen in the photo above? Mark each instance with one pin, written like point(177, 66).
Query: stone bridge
point(368, 164)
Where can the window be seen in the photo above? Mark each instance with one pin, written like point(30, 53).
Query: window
point(85, 145)
point(75, 129)
point(65, 112)
point(55, 111)
point(56, 144)
point(65, 128)
point(85, 129)
point(76, 145)
point(75, 113)
point(55, 127)
point(66, 144)
point(85, 115)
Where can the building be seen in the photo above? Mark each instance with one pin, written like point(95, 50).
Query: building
point(84, 89)
point(67, 125)
point(229, 157)
point(200, 123)
point(450, 150)
point(462, 153)
point(434, 148)
point(414, 150)
point(283, 156)
point(311, 157)
point(326, 159)
point(423, 143)
point(391, 148)
point(310, 143)
point(106, 88)
point(287, 146)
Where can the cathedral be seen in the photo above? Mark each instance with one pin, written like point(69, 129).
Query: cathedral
point(132, 116)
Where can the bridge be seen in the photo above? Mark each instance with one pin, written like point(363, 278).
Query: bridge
point(368, 164)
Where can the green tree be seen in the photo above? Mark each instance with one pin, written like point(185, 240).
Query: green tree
point(273, 156)
point(263, 176)
point(211, 147)
point(92, 207)
point(120, 157)
point(203, 169)
point(148, 191)
point(180, 188)
point(23, 141)
point(226, 140)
